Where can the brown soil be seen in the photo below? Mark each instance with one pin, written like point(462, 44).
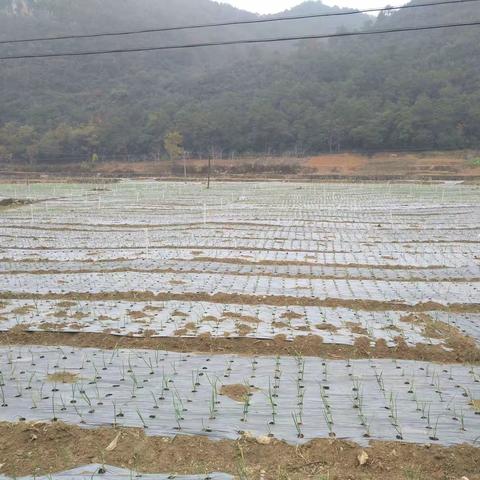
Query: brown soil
point(338, 163)
point(303, 328)
point(326, 326)
point(244, 329)
point(51, 326)
point(382, 165)
point(188, 328)
point(66, 304)
point(236, 392)
point(464, 349)
point(40, 448)
point(14, 203)
point(152, 308)
point(136, 314)
point(243, 318)
point(23, 310)
point(76, 326)
point(291, 315)
point(242, 299)
point(241, 261)
point(357, 328)
point(398, 165)
point(434, 329)
point(363, 346)
point(63, 377)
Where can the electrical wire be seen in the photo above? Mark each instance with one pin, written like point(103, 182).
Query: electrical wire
point(243, 42)
point(237, 22)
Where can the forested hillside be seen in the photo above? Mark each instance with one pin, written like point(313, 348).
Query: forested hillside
point(404, 90)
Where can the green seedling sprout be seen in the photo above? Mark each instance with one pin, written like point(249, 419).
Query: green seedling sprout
point(34, 402)
point(145, 426)
point(4, 401)
point(212, 404)
point(88, 401)
point(19, 389)
point(64, 406)
point(433, 436)
point(74, 388)
point(54, 417)
point(246, 406)
point(462, 421)
point(149, 365)
point(271, 400)
point(329, 421)
point(178, 412)
point(30, 380)
point(297, 421)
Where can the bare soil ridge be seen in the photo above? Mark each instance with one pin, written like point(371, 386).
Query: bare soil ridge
point(461, 349)
point(45, 448)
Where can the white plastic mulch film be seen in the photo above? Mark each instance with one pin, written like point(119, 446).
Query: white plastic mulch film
point(255, 260)
point(407, 244)
point(295, 399)
point(99, 472)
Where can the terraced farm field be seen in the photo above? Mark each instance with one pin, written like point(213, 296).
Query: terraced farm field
point(263, 330)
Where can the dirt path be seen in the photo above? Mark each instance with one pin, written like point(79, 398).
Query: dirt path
point(40, 448)
point(462, 349)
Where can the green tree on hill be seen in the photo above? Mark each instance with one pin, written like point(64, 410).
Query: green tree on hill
point(173, 144)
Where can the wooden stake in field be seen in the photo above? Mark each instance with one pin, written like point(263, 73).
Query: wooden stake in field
point(147, 243)
point(208, 171)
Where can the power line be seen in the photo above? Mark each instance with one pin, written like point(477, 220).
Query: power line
point(243, 42)
point(232, 23)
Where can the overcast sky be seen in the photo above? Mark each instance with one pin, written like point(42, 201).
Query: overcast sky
point(274, 6)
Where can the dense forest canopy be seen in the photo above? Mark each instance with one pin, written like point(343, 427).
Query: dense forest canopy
point(404, 90)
